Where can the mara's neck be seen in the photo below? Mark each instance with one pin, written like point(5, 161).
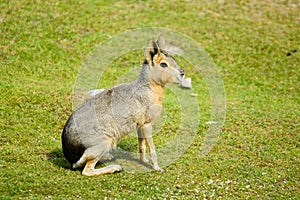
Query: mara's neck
point(156, 92)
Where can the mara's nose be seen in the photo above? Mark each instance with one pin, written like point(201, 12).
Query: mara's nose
point(181, 72)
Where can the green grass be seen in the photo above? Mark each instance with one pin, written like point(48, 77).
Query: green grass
point(43, 44)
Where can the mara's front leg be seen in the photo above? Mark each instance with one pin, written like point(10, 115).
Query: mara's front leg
point(142, 146)
point(145, 135)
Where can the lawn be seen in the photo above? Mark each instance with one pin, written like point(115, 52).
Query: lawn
point(256, 50)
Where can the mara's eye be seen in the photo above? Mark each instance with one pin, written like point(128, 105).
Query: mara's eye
point(163, 64)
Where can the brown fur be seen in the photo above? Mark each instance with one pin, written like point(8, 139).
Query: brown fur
point(94, 129)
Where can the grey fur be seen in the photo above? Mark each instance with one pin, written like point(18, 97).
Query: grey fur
point(94, 129)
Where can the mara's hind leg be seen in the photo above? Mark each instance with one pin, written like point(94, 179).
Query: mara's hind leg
point(81, 161)
point(89, 169)
point(92, 155)
point(101, 151)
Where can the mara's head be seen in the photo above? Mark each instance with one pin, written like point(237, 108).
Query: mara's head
point(161, 67)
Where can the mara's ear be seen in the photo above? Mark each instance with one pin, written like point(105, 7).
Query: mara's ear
point(161, 41)
point(151, 51)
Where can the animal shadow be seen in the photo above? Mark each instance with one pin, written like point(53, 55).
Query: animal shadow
point(57, 158)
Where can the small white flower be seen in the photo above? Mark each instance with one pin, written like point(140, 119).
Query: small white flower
point(211, 122)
